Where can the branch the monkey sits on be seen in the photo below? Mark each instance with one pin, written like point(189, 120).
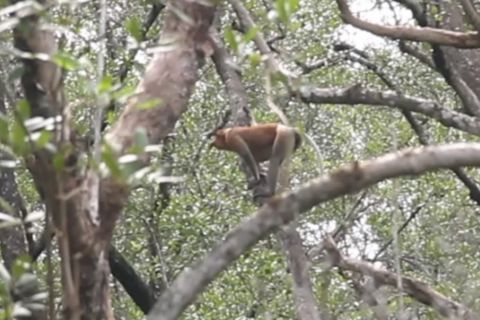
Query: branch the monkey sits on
point(258, 143)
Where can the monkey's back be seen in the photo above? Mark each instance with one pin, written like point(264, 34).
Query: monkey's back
point(260, 139)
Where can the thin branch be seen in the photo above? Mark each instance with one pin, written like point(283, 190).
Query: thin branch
point(282, 209)
point(357, 95)
point(419, 291)
point(247, 23)
point(152, 16)
point(417, 54)
point(417, 9)
point(465, 40)
point(415, 125)
point(471, 13)
point(413, 214)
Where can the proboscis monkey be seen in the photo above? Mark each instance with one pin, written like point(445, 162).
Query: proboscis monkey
point(259, 143)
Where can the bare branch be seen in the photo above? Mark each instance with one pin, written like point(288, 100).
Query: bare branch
point(420, 56)
point(470, 101)
point(282, 209)
point(236, 93)
point(247, 24)
point(413, 214)
point(418, 290)
point(472, 14)
point(358, 95)
point(465, 40)
point(417, 9)
point(414, 124)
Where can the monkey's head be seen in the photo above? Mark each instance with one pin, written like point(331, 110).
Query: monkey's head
point(219, 139)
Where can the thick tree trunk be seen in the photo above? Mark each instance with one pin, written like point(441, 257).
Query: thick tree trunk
point(84, 235)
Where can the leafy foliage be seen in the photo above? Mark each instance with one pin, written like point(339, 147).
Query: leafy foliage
point(166, 227)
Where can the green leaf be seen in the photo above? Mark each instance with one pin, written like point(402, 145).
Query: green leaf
point(58, 161)
point(293, 6)
point(231, 39)
point(21, 266)
point(66, 61)
point(123, 92)
point(111, 117)
point(149, 104)
point(43, 139)
point(110, 159)
point(18, 139)
point(105, 85)
point(134, 28)
point(250, 34)
point(280, 6)
point(255, 59)
point(3, 128)
point(23, 109)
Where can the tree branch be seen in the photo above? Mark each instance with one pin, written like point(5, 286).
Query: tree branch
point(420, 56)
point(414, 288)
point(471, 13)
point(413, 214)
point(358, 95)
point(417, 128)
point(282, 209)
point(137, 289)
point(465, 40)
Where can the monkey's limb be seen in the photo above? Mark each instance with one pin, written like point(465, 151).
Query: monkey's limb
point(244, 151)
point(282, 150)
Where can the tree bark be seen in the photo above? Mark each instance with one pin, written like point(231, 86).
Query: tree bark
point(83, 234)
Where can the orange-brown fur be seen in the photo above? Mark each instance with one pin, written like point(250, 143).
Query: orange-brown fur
point(259, 143)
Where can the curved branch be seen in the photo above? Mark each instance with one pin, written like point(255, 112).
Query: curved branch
point(358, 95)
point(417, 290)
point(282, 209)
point(136, 288)
point(465, 40)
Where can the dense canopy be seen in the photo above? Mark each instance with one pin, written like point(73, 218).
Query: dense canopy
point(113, 205)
